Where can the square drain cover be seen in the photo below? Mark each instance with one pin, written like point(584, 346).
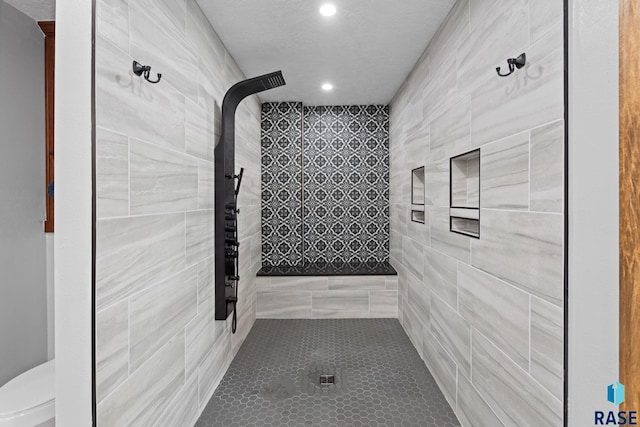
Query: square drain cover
point(327, 379)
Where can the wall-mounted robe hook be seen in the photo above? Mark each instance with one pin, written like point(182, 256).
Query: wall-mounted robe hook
point(139, 70)
point(513, 64)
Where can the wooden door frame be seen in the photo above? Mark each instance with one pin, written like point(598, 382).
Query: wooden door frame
point(49, 30)
point(629, 152)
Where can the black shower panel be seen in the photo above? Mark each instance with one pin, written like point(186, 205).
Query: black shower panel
point(227, 187)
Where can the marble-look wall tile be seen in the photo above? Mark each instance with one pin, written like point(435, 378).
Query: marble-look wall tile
point(201, 335)
point(419, 298)
point(452, 332)
point(523, 248)
point(383, 304)
point(437, 183)
point(142, 397)
point(543, 16)
point(184, 409)
point(505, 173)
point(315, 283)
point(500, 29)
point(413, 258)
point(498, 310)
point(441, 276)
point(206, 185)
point(112, 174)
point(199, 132)
point(159, 313)
point(284, 304)
point(547, 167)
point(442, 366)
point(441, 92)
point(340, 304)
point(206, 285)
point(213, 368)
point(458, 184)
point(419, 231)
point(203, 39)
point(161, 180)
point(134, 253)
point(451, 33)
point(473, 182)
point(414, 328)
point(472, 410)
point(128, 104)
point(443, 240)
point(533, 96)
point(112, 348)
point(116, 13)
point(199, 236)
point(176, 123)
point(450, 133)
point(509, 390)
point(353, 283)
point(517, 125)
point(168, 51)
point(547, 349)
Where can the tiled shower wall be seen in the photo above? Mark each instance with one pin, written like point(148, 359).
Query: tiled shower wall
point(281, 185)
point(486, 314)
point(160, 353)
point(325, 183)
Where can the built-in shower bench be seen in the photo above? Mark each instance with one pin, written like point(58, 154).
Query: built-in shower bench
point(327, 290)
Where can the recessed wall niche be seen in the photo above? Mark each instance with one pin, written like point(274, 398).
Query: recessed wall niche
point(417, 195)
point(464, 181)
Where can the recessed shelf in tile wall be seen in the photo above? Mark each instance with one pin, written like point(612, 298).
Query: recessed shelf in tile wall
point(417, 186)
point(464, 182)
point(417, 195)
point(417, 216)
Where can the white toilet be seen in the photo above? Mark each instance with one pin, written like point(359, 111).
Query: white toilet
point(28, 400)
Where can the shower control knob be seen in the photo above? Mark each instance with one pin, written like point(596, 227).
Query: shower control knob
point(231, 207)
point(234, 278)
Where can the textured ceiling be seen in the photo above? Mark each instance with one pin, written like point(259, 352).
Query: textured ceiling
point(40, 10)
point(366, 50)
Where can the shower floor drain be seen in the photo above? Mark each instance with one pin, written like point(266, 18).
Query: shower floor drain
point(327, 379)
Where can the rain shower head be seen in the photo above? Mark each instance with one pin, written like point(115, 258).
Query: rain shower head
point(241, 90)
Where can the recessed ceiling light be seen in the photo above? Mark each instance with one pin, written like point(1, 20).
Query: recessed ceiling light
point(327, 86)
point(328, 10)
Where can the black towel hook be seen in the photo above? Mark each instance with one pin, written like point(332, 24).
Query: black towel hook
point(139, 70)
point(513, 64)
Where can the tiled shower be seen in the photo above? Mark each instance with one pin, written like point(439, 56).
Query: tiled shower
point(333, 184)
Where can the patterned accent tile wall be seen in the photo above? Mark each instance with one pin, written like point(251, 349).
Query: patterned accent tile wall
point(281, 183)
point(336, 169)
point(346, 184)
point(159, 352)
point(486, 314)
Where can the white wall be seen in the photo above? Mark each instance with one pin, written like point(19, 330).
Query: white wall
point(23, 294)
point(51, 329)
point(593, 206)
point(73, 213)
